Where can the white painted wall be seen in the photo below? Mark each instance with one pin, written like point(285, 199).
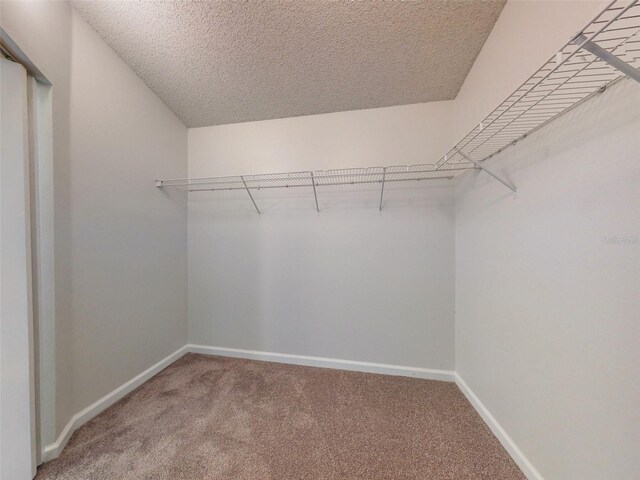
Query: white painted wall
point(120, 243)
point(404, 135)
point(349, 283)
point(547, 291)
point(545, 297)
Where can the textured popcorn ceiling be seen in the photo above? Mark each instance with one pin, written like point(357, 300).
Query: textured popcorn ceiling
point(216, 62)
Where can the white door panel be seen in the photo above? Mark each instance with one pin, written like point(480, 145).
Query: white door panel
point(17, 423)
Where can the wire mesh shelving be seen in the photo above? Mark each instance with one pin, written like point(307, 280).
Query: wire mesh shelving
point(602, 53)
point(567, 79)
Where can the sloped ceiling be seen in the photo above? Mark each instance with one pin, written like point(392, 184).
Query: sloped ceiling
point(217, 62)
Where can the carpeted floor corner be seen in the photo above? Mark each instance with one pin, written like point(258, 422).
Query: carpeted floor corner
point(220, 418)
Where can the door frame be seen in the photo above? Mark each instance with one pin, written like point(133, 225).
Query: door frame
point(17, 397)
point(41, 215)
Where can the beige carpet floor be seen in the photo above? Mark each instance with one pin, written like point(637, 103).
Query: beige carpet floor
point(221, 418)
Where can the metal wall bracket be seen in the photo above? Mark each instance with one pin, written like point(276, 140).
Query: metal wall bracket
point(315, 194)
point(384, 175)
point(607, 56)
point(482, 167)
point(250, 196)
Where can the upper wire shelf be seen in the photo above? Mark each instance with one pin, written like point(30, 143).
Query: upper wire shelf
point(319, 178)
point(603, 52)
point(583, 67)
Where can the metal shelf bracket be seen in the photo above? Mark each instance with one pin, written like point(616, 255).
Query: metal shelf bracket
point(494, 175)
point(315, 194)
point(384, 175)
point(250, 196)
point(607, 56)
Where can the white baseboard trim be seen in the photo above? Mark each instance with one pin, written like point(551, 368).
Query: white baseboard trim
point(55, 449)
point(507, 442)
point(322, 362)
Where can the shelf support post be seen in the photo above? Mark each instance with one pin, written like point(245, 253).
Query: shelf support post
point(315, 195)
point(384, 175)
point(482, 167)
point(250, 196)
point(607, 56)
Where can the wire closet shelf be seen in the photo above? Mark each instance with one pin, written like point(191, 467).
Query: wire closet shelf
point(319, 178)
point(602, 53)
